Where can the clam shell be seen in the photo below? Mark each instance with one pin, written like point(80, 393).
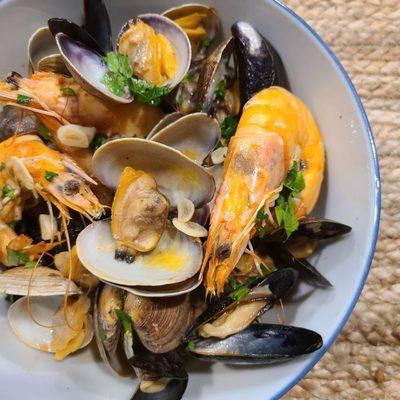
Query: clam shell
point(43, 54)
point(176, 258)
point(175, 34)
point(165, 121)
point(45, 282)
point(195, 135)
point(28, 331)
point(87, 67)
point(176, 175)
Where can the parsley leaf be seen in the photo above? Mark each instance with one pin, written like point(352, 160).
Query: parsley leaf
point(50, 175)
point(31, 264)
point(125, 320)
point(189, 76)
point(199, 107)
point(67, 91)
point(146, 93)
point(22, 99)
point(44, 132)
point(264, 270)
point(102, 332)
point(10, 298)
point(228, 127)
point(221, 90)
point(15, 258)
point(15, 223)
point(205, 42)
point(294, 179)
point(239, 293)
point(8, 192)
point(191, 346)
point(2, 165)
point(98, 140)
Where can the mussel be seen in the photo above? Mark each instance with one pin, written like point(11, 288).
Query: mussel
point(13, 120)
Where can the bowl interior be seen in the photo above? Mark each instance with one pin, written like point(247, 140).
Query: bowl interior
point(350, 194)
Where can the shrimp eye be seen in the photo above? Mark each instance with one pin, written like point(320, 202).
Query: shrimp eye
point(71, 187)
point(223, 251)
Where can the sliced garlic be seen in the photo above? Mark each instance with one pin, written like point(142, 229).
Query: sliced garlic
point(21, 173)
point(185, 210)
point(218, 156)
point(190, 228)
point(76, 135)
point(48, 226)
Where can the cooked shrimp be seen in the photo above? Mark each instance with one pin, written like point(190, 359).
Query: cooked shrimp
point(275, 130)
point(134, 119)
point(51, 174)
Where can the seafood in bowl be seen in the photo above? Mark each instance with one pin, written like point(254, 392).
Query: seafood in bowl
point(166, 241)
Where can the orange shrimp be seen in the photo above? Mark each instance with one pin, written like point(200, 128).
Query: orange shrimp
point(275, 130)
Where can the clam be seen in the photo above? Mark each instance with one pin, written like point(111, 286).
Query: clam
point(202, 25)
point(107, 327)
point(42, 281)
point(83, 59)
point(259, 344)
point(259, 64)
point(43, 54)
point(160, 323)
point(176, 175)
point(195, 135)
point(138, 215)
point(165, 121)
point(176, 258)
point(139, 36)
point(48, 311)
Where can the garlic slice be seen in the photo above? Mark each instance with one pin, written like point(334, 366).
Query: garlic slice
point(21, 173)
point(48, 226)
point(185, 210)
point(76, 135)
point(218, 155)
point(190, 228)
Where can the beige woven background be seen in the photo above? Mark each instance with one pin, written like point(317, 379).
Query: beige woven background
point(364, 363)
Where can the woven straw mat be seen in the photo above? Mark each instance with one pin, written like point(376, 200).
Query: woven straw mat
point(364, 363)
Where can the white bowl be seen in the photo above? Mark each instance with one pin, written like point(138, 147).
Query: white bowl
point(351, 194)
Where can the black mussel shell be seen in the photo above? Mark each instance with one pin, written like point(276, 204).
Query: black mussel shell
point(259, 64)
point(259, 344)
point(279, 283)
point(97, 24)
point(173, 391)
point(73, 31)
point(284, 259)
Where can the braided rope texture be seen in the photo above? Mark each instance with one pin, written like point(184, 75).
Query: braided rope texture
point(364, 363)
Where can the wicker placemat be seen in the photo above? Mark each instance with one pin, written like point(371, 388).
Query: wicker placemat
point(364, 363)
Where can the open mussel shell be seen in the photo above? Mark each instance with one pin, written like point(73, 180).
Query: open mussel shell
point(259, 65)
point(165, 121)
point(42, 281)
point(160, 323)
point(211, 24)
point(264, 291)
point(259, 344)
point(213, 71)
point(97, 24)
point(176, 258)
point(195, 135)
point(43, 54)
point(176, 175)
point(178, 38)
point(26, 329)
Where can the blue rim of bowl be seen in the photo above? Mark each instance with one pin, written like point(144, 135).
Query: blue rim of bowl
point(310, 364)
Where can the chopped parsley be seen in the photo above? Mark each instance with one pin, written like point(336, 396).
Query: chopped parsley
point(8, 192)
point(285, 212)
point(14, 224)
point(67, 91)
point(228, 127)
point(98, 140)
point(189, 76)
point(191, 346)
point(15, 258)
point(205, 42)
point(32, 264)
point(9, 298)
point(118, 79)
point(102, 333)
point(239, 293)
point(22, 99)
point(50, 175)
point(44, 132)
point(2, 165)
point(221, 90)
point(6, 108)
point(125, 320)
point(264, 270)
point(199, 107)
point(260, 218)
